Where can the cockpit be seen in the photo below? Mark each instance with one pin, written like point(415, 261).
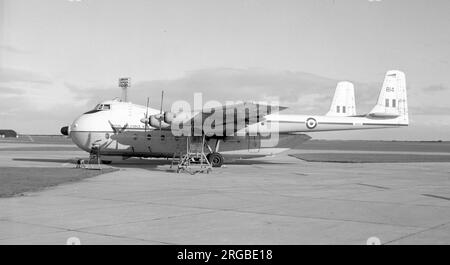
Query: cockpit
point(99, 107)
point(103, 107)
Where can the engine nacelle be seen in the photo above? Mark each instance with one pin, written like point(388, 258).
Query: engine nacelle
point(170, 117)
point(154, 122)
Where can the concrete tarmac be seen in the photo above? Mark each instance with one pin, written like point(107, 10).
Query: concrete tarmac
point(274, 200)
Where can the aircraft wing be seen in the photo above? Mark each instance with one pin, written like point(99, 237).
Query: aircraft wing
point(230, 118)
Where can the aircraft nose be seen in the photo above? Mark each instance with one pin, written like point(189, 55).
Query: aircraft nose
point(65, 130)
point(80, 132)
point(87, 130)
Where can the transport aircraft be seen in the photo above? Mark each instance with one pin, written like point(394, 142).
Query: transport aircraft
point(120, 130)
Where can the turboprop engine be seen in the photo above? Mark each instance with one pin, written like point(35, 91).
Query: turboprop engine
point(170, 117)
point(165, 119)
point(156, 121)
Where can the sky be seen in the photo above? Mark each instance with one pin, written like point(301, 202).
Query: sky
point(58, 58)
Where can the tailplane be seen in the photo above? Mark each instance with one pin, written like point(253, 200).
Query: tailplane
point(343, 103)
point(392, 101)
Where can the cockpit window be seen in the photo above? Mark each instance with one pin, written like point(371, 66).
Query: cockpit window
point(99, 107)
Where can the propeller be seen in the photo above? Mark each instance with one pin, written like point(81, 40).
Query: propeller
point(117, 130)
point(154, 119)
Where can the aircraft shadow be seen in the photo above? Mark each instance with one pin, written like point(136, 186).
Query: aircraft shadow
point(164, 165)
point(161, 165)
point(50, 160)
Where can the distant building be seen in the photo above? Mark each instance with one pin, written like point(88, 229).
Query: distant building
point(7, 133)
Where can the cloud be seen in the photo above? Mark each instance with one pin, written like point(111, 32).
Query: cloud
point(35, 102)
point(12, 49)
point(427, 110)
point(292, 89)
point(19, 75)
point(435, 88)
point(4, 90)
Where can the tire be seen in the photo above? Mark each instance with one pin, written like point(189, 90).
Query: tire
point(215, 159)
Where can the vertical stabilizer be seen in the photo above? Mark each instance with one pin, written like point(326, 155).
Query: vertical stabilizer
point(343, 103)
point(392, 101)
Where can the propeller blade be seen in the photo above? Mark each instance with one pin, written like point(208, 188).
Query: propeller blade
point(146, 116)
point(160, 110)
point(117, 130)
point(124, 127)
point(162, 98)
point(112, 127)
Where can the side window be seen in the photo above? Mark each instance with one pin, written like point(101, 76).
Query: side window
point(387, 102)
point(343, 109)
point(394, 103)
point(338, 109)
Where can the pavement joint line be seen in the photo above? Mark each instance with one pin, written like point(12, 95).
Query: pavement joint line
point(123, 237)
point(97, 208)
point(273, 214)
point(25, 223)
point(418, 232)
point(69, 230)
point(328, 219)
point(145, 220)
point(436, 196)
point(373, 186)
point(325, 198)
point(391, 203)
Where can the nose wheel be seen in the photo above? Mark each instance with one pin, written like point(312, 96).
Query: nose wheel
point(215, 159)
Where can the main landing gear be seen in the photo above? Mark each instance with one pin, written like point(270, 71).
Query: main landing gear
point(215, 159)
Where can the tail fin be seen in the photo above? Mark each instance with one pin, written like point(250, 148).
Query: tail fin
point(343, 103)
point(392, 101)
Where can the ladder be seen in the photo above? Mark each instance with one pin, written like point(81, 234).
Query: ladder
point(195, 160)
point(94, 159)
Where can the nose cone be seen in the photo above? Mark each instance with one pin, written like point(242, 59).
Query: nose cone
point(65, 130)
point(89, 129)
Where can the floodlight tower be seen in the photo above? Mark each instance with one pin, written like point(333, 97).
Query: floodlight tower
point(124, 83)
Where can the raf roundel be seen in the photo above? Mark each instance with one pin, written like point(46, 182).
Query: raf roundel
point(311, 123)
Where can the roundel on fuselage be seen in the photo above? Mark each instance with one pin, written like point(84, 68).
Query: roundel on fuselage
point(311, 123)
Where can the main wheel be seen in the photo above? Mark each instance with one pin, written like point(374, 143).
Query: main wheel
point(215, 159)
